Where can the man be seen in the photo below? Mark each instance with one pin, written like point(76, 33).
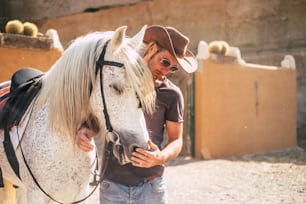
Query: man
point(142, 180)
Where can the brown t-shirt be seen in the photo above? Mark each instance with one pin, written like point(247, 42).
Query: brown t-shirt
point(169, 106)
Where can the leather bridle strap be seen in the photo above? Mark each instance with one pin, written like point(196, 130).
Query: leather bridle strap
point(99, 66)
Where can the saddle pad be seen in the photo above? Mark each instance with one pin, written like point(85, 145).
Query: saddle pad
point(5, 84)
point(4, 92)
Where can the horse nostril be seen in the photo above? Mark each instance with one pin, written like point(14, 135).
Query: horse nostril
point(133, 148)
point(110, 145)
point(120, 149)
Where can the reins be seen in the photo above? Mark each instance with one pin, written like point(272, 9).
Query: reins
point(108, 149)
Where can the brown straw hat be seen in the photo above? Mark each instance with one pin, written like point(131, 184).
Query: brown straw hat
point(175, 42)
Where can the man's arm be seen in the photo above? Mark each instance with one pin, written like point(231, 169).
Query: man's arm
point(147, 159)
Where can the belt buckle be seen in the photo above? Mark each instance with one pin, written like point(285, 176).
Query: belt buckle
point(149, 178)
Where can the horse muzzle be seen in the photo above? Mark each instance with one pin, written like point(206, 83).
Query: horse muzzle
point(121, 150)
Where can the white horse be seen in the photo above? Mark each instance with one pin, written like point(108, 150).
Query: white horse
point(72, 92)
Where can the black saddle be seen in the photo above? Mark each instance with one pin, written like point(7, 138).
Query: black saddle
point(25, 84)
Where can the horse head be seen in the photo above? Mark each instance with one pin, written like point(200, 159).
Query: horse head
point(124, 89)
point(103, 75)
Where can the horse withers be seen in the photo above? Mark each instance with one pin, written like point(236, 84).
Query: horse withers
point(101, 79)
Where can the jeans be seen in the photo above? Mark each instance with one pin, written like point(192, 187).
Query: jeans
point(148, 192)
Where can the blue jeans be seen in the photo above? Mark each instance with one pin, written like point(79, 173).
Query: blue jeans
point(148, 192)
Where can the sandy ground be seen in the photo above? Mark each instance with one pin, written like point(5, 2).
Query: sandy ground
point(267, 178)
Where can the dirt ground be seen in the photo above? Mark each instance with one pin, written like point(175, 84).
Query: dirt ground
point(267, 178)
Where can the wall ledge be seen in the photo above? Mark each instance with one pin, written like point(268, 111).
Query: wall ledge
point(22, 41)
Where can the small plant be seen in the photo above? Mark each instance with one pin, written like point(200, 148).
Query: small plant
point(17, 27)
point(14, 27)
point(30, 29)
point(218, 47)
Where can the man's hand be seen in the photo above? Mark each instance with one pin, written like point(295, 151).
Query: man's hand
point(84, 139)
point(146, 159)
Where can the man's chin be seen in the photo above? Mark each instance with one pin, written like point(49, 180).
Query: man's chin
point(157, 82)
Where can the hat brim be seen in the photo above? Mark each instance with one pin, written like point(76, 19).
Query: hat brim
point(160, 35)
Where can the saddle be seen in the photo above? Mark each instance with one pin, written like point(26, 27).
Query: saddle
point(15, 97)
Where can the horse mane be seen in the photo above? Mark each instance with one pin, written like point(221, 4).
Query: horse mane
point(67, 85)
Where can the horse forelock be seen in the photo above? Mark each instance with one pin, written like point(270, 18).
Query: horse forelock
point(140, 77)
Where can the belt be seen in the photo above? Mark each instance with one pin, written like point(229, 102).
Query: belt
point(150, 178)
point(134, 182)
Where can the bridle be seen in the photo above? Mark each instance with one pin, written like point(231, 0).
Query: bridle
point(110, 132)
point(111, 136)
point(99, 67)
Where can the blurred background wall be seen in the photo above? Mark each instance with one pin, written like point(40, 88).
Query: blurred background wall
point(265, 31)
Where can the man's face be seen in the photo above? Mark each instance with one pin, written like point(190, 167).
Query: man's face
point(161, 63)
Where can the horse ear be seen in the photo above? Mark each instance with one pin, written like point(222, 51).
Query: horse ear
point(137, 40)
point(118, 38)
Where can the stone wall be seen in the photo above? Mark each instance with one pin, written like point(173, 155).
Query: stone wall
point(17, 51)
point(37, 9)
point(242, 108)
point(265, 31)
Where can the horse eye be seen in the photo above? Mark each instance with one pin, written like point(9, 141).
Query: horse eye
point(117, 88)
point(139, 102)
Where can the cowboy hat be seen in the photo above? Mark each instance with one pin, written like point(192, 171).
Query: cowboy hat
point(175, 42)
